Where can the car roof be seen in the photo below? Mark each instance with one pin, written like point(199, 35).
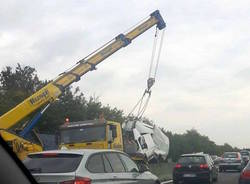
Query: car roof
point(76, 151)
point(193, 154)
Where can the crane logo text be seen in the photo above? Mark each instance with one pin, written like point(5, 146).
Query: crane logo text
point(41, 96)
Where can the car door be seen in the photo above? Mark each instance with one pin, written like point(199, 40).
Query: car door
point(98, 171)
point(119, 174)
point(132, 171)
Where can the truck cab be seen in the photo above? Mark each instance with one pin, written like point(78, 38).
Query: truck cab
point(91, 134)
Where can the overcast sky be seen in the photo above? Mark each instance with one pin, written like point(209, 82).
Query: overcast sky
point(203, 77)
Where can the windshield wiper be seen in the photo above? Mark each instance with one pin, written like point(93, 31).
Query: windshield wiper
point(37, 170)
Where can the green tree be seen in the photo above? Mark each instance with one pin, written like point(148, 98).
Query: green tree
point(19, 83)
point(16, 85)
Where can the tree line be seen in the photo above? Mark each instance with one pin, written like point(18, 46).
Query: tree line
point(20, 82)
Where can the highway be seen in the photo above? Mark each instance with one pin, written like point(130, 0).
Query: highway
point(230, 177)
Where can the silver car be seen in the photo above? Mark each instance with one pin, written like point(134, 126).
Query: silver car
point(86, 166)
point(231, 161)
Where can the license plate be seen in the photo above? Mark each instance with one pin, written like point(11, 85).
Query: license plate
point(189, 175)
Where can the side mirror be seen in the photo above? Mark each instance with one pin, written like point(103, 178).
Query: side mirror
point(113, 130)
point(110, 137)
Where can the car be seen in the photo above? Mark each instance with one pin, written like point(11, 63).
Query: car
point(231, 161)
point(245, 175)
point(86, 166)
point(197, 167)
point(215, 163)
point(245, 156)
point(216, 159)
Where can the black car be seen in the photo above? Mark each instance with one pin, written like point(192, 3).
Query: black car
point(245, 175)
point(195, 168)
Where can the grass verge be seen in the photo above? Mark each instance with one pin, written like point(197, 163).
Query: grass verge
point(163, 170)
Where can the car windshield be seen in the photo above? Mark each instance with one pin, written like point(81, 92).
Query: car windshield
point(192, 160)
point(52, 163)
point(230, 155)
point(244, 153)
point(83, 134)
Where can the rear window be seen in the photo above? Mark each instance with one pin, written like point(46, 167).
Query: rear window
point(230, 155)
point(95, 164)
point(192, 160)
point(244, 153)
point(115, 162)
point(52, 163)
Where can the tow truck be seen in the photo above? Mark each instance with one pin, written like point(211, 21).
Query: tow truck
point(49, 93)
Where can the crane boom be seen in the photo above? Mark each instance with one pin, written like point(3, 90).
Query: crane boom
point(54, 89)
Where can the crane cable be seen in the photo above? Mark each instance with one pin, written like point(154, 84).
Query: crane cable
point(142, 103)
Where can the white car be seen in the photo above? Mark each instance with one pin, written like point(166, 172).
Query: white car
point(86, 166)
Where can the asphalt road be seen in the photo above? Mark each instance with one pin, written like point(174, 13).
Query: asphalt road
point(229, 177)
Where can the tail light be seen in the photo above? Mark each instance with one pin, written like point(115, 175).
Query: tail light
point(245, 174)
point(78, 180)
point(239, 157)
point(177, 166)
point(49, 154)
point(204, 166)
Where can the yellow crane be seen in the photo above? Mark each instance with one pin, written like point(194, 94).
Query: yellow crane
point(55, 88)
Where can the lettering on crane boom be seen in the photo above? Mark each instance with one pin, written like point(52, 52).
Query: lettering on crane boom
point(40, 97)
